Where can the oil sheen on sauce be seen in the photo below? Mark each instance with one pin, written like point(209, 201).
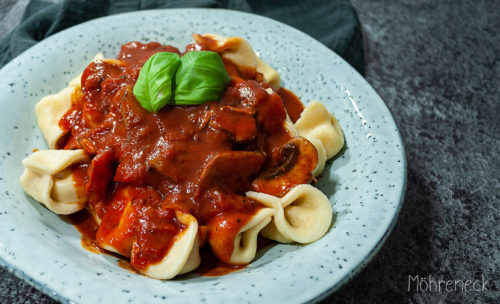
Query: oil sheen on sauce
point(197, 159)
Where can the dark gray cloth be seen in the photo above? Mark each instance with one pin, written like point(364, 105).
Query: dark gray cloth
point(333, 22)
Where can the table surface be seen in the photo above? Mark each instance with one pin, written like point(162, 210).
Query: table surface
point(435, 64)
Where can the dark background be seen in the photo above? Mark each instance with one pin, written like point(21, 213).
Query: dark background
point(435, 64)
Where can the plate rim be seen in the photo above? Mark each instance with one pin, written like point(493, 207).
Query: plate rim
point(367, 258)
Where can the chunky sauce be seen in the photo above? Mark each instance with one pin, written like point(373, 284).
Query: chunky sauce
point(211, 266)
point(196, 159)
point(293, 105)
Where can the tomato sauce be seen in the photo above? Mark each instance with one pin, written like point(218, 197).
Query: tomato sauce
point(212, 266)
point(293, 105)
point(87, 226)
point(199, 159)
point(79, 172)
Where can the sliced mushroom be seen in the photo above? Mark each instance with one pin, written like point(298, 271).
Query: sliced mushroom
point(233, 169)
point(303, 215)
point(297, 160)
point(237, 122)
point(49, 180)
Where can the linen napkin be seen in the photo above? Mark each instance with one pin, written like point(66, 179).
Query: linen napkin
point(332, 22)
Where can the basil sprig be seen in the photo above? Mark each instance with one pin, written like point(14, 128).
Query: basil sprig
point(153, 88)
point(195, 78)
point(201, 77)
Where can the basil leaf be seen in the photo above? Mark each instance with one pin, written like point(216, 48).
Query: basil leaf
point(154, 85)
point(201, 77)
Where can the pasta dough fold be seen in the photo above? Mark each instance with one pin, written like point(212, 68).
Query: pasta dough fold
point(176, 253)
point(184, 254)
point(49, 181)
point(49, 110)
point(316, 122)
point(320, 148)
point(303, 215)
point(240, 52)
point(237, 247)
point(118, 234)
point(245, 243)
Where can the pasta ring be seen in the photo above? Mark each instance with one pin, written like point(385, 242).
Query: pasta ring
point(303, 215)
point(49, 181)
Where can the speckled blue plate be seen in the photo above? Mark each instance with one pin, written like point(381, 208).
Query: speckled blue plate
point(365, 184)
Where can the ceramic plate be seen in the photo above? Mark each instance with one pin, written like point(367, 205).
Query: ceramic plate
point(365, 184)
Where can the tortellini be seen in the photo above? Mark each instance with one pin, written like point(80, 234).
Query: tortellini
point(240, 52)
point(321, 128)
point(184, 254)
point(51, 108)
point(322, 158)
point(118, 233)
point(49, 111)
point(243, 242)
point(76, 82)
point(49, 181)
point(290, 126)
point(303, 215)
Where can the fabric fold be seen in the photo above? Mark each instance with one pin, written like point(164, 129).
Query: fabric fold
point(334, 23)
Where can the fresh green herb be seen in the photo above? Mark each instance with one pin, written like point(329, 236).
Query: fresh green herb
point(154, 85)
point(195, 78)
point(201, 77)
